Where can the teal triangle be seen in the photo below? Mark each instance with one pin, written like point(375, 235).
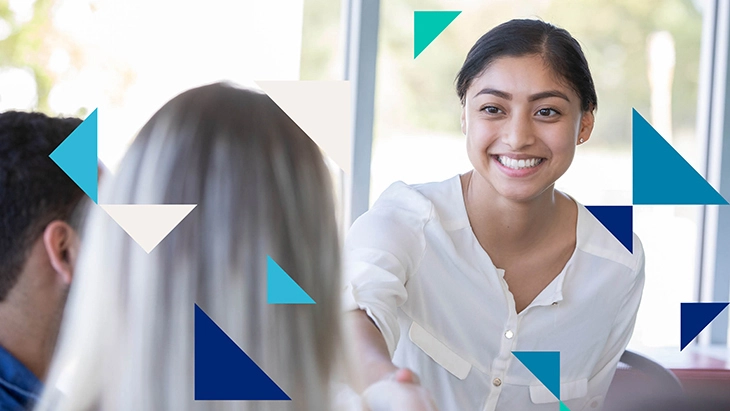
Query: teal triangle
point(545, 365)
point(77, 156)
point(618, 220)
point(281, 289)
point(427, 25)
point(563, 407)
point(663, 176)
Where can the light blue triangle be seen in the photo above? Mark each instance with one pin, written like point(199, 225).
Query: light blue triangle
point(281, 289)
point(663, 176)
point(77, 156)
point(563, 407)
point(545, 365)
point(427, 25)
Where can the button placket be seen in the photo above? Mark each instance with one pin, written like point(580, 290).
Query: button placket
point(500, 364)
point(506, 346)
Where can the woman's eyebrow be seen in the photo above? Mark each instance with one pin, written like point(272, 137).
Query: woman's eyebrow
point(534, 97)
point(550, 93)
point(494, 92)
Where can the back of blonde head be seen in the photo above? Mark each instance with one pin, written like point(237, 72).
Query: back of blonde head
point(261, 188)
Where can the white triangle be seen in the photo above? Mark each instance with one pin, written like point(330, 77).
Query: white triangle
point(148, 224)
point(322, 109)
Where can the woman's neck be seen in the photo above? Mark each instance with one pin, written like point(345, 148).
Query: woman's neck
point(507, 227)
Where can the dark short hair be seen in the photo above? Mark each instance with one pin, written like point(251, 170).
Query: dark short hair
point(517, 38)
point(33, 190)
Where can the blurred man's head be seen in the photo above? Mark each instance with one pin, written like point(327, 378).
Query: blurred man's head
point(39, 219)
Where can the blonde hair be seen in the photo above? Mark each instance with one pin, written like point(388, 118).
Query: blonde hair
point(261, 188)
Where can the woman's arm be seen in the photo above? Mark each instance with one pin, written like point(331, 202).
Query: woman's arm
point(384, 386)
point(383, 249)
point(371, 358)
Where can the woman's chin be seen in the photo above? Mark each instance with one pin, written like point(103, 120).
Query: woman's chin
point(521, 194)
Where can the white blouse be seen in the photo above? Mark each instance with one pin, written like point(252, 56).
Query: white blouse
point(413, 264)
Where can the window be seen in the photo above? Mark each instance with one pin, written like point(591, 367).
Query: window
point(129, 57)
point(642, 54)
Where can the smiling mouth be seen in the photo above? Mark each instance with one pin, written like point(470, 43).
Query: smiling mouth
point(520, 164)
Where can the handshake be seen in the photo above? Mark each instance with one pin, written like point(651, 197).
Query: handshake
point(401, 391)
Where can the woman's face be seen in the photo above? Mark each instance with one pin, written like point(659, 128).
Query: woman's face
point(522, 125)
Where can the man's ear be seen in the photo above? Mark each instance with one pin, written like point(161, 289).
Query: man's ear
point(62, 246)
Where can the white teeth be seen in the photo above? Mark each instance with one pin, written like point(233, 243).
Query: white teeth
point(518, 164)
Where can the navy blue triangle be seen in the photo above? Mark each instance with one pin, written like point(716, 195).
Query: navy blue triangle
point(223, 371)
point(619, 220)
point(694, 317)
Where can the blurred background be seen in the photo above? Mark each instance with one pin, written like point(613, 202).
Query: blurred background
point(128, 58)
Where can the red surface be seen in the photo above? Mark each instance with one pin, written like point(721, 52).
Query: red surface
point(704, 376)
point(705, 383)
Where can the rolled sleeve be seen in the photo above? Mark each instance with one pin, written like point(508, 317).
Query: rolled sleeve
point(383, 249)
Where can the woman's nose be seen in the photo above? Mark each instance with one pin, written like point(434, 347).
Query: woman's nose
point(518, 132)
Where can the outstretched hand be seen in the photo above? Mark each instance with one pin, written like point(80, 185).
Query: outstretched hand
point(401, 391)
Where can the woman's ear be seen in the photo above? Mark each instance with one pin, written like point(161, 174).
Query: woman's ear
point(587, 121)
point(62, 246)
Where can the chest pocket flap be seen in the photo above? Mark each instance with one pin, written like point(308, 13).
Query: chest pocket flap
point(439, 352)
point(539, 394)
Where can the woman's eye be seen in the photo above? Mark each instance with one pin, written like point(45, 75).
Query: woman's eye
point(491, 110)
point(547, 112)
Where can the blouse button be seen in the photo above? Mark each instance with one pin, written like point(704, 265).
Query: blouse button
point(509, 334)
point(497, 382)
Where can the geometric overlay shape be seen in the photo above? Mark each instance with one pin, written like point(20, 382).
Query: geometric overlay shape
point(563, 407)
point(223, 371)
point(618, 220)
point(148, 224)
point(663, 176)
point(77, 156)
point(694, 317)
point(545, 365)
point(427, 25)
point(280, 288)
point(322, 110)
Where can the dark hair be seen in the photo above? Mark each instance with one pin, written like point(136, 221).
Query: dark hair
point(516, 38)
point(33, 190)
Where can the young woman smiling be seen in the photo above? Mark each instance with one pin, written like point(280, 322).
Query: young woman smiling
point(445, 280)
